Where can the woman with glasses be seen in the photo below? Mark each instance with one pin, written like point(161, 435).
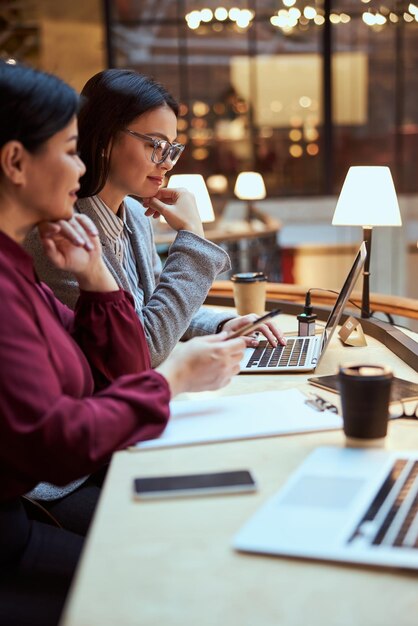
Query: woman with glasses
point(128, 130)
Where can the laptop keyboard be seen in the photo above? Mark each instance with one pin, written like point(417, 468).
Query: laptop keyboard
point(392, 518)
point(293, 354)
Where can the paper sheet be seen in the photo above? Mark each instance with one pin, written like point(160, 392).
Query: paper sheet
point(245, 416)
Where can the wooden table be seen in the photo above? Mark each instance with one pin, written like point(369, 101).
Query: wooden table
point(170, 563)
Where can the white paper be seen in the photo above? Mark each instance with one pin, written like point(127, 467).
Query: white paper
point(246, 416)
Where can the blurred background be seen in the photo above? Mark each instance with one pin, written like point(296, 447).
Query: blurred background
point(296, 90)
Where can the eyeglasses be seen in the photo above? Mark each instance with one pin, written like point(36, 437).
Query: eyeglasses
point(401, 409)
point(320, 404)
point(163, 149)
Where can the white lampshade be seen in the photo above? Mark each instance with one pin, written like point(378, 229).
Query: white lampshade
point(217, 183)
point(250, 186)
point(367, 198)
point(197, 186)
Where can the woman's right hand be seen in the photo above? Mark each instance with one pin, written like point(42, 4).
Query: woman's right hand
point(203, 363)
point(74, 246)
point(178, 207)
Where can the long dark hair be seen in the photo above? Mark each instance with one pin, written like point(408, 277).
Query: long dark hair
point(33, 105)
point(110, 100)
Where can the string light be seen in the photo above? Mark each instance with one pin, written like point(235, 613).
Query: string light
point(221, 14)
point(309, 13)
point(240, 17)
point(290, 17)
point(206, 15)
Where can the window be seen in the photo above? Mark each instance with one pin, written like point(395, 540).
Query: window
point(251, 80)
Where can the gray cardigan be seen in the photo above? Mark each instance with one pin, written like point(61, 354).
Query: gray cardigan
point(173, 295)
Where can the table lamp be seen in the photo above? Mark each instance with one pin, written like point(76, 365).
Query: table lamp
point(367, 199)
point(250, 186)
point(217, 183)
point(196, 185)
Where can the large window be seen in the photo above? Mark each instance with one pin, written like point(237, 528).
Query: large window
point(299, 89)
point(386, 131)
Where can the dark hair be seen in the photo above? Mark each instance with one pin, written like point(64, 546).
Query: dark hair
point(110, 101)
point(33, 105)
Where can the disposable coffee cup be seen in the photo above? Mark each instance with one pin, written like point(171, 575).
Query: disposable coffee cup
point(365, 396)
point(249, 292)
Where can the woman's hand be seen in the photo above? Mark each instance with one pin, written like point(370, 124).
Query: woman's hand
point(273, 334)
point(74, 246)
point(178, 207)
point(203, 363)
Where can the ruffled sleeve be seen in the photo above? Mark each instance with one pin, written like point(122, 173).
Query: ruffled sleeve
point(110, 334)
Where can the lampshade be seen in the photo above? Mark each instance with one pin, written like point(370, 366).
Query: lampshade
point(197, 186)
point(367, 198)
point(250, 186)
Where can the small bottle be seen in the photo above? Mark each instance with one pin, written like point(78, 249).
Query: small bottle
point(306, 320)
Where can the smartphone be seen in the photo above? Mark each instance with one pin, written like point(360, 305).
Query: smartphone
point(401, 389)
point(253, 325)
point(239, 481)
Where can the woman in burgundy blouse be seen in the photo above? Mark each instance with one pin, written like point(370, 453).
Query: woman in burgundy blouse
point(73, 386)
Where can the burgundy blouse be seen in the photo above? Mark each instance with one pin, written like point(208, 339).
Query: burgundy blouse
point(74, 387)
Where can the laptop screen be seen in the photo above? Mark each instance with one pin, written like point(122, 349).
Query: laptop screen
point(341, 301)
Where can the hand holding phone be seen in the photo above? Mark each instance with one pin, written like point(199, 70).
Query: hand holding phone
point(254, 325)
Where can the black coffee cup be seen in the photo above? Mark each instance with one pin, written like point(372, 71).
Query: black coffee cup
point(365, 395)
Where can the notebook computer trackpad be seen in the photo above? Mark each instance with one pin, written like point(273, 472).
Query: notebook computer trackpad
point(323, 492)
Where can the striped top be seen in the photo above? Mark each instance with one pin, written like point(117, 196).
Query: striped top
point(117, 233)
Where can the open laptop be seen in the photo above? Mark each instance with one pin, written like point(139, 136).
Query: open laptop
point(303, 353)
point(343, 504)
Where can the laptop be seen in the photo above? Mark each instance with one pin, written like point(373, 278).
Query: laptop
point(302, 354)
point(343, 504)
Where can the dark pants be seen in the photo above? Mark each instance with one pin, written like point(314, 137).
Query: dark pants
point(37, 563)
point(75, 511)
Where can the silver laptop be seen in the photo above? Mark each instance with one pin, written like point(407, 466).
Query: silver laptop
point(303, 353)
point(343, 504)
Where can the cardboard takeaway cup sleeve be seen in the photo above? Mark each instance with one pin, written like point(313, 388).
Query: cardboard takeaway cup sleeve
point(249, 292)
